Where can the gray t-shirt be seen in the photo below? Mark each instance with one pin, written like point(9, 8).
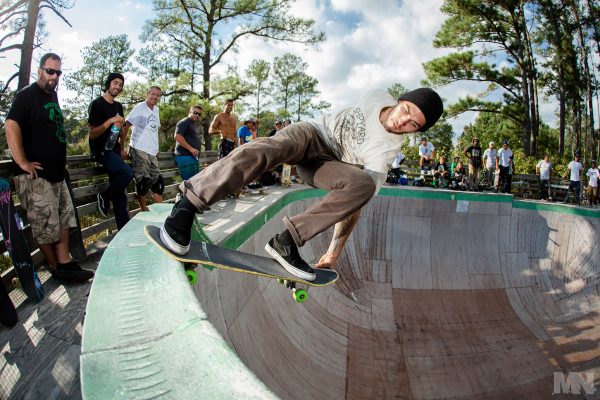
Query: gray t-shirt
point(193, 134)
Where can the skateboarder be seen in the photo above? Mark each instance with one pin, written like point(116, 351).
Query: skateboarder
point(348, 153)
point(36, 137)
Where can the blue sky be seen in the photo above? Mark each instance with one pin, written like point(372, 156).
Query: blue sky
point(370, 43)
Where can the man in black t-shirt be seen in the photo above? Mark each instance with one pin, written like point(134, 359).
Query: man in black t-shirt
point(189, 136)
point(104, 113)
point(37, 141)
point(475, 163)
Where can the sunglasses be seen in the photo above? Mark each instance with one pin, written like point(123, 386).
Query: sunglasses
point(51, 71)
point(196, 113)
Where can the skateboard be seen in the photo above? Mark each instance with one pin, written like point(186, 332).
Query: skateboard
point(8, 314)
point(286, 175)
point(76, 246)
point(211, 256)
point(12, 226)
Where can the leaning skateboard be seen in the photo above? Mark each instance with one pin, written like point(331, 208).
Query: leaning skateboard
point(286, 175)
point(76, 246)
point(8, 314)
point(211, 256)
point(12, 227)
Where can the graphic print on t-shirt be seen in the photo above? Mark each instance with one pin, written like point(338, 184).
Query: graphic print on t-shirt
point(55, 115)
point(351, 132)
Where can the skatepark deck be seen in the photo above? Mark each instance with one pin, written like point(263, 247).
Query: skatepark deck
point(441, 295)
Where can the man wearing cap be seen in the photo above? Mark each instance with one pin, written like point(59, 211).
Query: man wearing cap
point(244, 133)
point(504, 161)
point(489, 159)
point(473, 152)
point(348, 153)
point(574, 173)
point(189, 137)
point(104, 113)
point(592, 175)
point(426, 154)
point(544, 169)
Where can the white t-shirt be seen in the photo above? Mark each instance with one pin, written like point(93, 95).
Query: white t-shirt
point(489, 155)
point(544, 167)
point(575, 167)
point(504, 157)
point(592, 173)
point(426, 150)
point(356, 136)
point(145, 123)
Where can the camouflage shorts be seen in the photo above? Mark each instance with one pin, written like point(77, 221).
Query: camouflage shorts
point(144, 165)
point(48, 205)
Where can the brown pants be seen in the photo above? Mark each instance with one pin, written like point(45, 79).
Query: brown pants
point(474, 177)
point(299, 144)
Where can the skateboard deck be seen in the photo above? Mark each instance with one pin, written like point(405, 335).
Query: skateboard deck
point(210, 255)
point(76, 246)
point(12, 226)
point(8, 314)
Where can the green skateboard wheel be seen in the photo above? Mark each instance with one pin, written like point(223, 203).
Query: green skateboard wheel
point(192, 276)
point(281, 280)
point(300, 295)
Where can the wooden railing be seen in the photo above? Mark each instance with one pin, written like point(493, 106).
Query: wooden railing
point(88, 179)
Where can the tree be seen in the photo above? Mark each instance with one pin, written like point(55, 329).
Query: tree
point(109, 54)
point(517, 48)
point(23, 18)
point(397, 90)
point(33, 12)
point(486, 29)
point(201, 29)
point(258, 74)
point(286, 69)
point(304, 90)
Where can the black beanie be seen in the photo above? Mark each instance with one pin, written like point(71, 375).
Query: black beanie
point(429, 102)
point(112, 76)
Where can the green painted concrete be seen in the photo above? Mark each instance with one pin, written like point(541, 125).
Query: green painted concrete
point(146, 336)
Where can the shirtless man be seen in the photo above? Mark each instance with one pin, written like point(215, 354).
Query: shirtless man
point(224, 124)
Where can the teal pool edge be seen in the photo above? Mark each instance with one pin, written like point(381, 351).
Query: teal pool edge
point(236, 239)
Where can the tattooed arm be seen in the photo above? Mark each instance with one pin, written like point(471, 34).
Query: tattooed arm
point(341, 232)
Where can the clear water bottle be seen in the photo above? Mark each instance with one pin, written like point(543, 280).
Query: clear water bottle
point(114, 134)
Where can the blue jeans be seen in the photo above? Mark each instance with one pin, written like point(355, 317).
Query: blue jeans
point(188, 166)
point(119, 176)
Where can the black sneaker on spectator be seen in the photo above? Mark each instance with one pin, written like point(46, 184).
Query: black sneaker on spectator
point(103, 203)
point(176, 232)
point(289, 258)
point(72, 272)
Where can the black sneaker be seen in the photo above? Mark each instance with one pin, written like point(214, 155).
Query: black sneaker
point(72, 272)
point(290, 259)
point(74, 266)
point(176, 232)
point(103, 203)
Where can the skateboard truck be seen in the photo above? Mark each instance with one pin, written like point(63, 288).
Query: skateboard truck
point(299, 295)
